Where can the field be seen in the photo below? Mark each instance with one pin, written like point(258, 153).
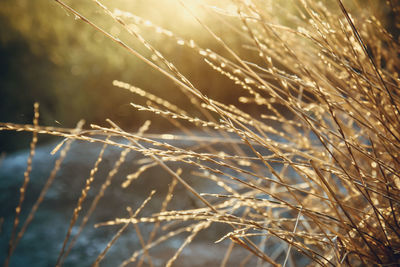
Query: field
point(272, 139)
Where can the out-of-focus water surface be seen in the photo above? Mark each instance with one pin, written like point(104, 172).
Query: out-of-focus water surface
point(43, 239)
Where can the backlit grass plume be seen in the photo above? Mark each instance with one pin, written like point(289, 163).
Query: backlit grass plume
point(304, 162)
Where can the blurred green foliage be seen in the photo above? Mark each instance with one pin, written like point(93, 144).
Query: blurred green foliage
point(49, 56)
point(53, 58)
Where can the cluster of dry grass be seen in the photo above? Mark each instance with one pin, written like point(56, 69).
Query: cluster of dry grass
point(316, 171)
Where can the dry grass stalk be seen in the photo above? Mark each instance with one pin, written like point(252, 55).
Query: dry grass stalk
point(81, 199)
point(119, 233)
point(317, 169)
point(24, 186)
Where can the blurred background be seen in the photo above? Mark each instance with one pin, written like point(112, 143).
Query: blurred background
point(49, 56)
